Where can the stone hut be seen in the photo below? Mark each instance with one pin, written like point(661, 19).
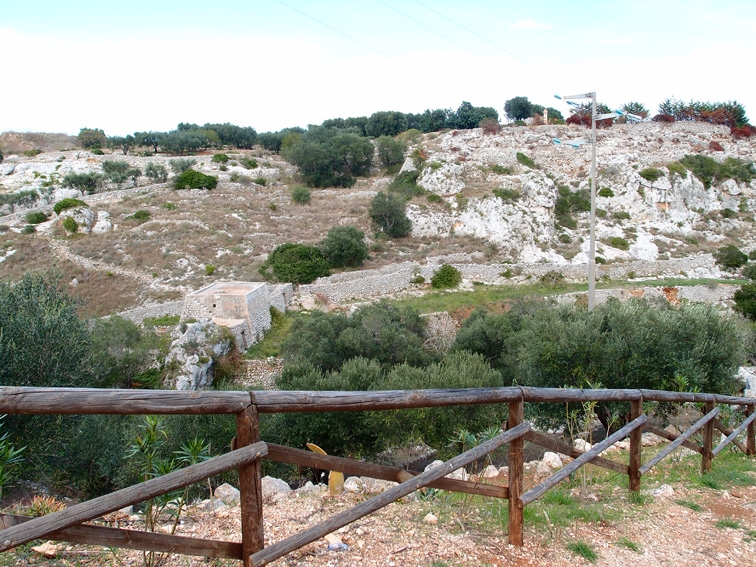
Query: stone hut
point(242, 307)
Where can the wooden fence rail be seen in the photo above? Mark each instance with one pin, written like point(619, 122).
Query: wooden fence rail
point(68, 524)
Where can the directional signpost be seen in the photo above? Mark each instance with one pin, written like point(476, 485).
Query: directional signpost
point(569, 99)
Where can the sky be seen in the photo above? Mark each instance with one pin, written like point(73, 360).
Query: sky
point(148, 65)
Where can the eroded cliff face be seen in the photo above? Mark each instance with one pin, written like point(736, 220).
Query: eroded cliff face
point(655, 218)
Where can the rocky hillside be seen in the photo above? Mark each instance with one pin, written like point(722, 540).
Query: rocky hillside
point(511, 197)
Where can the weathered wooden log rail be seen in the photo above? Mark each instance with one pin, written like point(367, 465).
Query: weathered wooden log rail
point(68, 524)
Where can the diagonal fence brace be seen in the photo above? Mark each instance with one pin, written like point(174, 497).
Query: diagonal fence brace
point(277, 550)
point(91, 509)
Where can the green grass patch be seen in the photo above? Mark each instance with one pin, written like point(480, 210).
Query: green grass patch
point(584, 550)
point(689, 504)
point(270, 345)
point(730, 523)
point(164, 321)
point(629, 544)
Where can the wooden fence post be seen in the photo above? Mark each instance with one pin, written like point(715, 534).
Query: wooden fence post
point(751, 432)
point(708, 439)
point(636, 445)
point(250, 486)
point(516, 465)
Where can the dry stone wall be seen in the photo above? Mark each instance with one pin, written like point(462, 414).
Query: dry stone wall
point(397, 278)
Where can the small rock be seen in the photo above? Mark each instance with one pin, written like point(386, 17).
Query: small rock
point(490, 472)
point(354, 484)
point(228, 494)
point(274, 489)
point(582, 445)
point(48, 549)
point(549, 463)
point(430, 519)
point(664, 491)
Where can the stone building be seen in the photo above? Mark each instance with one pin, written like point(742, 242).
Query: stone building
point(242, 307)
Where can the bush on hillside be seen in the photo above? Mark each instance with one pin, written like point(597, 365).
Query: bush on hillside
point(446, 277)
point(156, 172)
point(84, 182)
point(180, 165)
point(745, 301)
point(68, 203)
point(390, 151)
point(730, 257)
point(70, 224)
point(301, 195)
point(344, 247)
point(388, 212)
point(35, 217)
point(295, 263)
point(193, 179)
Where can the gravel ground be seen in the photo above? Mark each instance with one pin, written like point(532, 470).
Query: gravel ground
point(404, 534)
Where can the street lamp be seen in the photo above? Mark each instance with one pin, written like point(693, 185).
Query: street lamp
point(576, 144)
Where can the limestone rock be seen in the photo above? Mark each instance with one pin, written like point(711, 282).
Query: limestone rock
point(459, 474)
point(228, 494)
point(490, 472)
point(192, 352)
point(582, 445)
point(547, 465)
point(274, 489)
point(103, 223)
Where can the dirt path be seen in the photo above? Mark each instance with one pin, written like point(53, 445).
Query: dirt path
point(62, 251)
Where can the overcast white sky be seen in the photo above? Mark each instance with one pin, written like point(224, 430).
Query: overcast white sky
point(148, 65)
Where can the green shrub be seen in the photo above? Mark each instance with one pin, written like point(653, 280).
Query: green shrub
point(621, 215)
point(676, 168)
point(33, 152)
point(35, 217)
point(730, 257)
point(156, 172)
point(344, 246)
point(170, 206)
point(84, 182)
point(388, 212)
point(507, 194)
point(163, 321)
point(745, 300)
point(569, 202)
point(433, 198)
point(70, 224)
point(209, 269)
point(728, 214)
point(248, 163)
point(500, 169)
point(119, 171)
point(300, 195)
point(446, 277)
point(417, 279)
point(406, 184)
point(651, 174)
point(140, 216)
point(98, 152)
point(68, 203)
point(180, 165)
point(261, 181)
point(220, 158)
point(29, 229)
point(390, 151)
point(525, 160)
point(619, 242)
point(295, 263)
point(707, 170)
point(193, 179)
point(552, 278)
point(750, 271)
point(605, 192)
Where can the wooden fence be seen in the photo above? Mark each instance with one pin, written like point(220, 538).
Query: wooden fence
point(68, 524)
